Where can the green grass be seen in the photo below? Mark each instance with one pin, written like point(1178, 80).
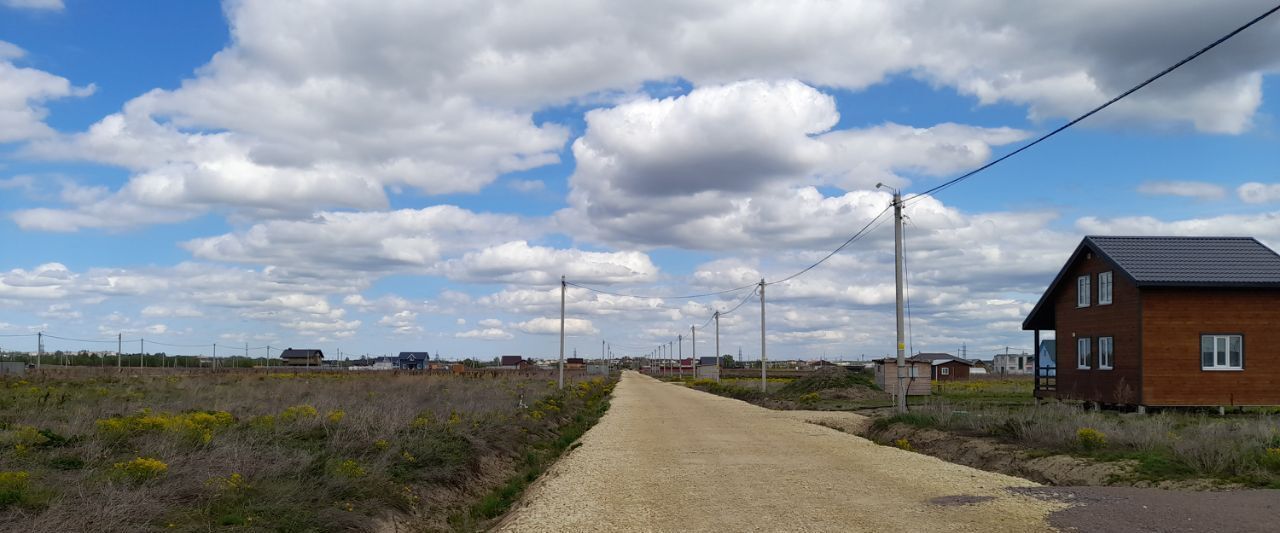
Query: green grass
point(308, 452)
point(1242, 449)
point(541, 455)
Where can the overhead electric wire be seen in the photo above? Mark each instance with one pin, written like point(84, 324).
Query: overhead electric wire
point(680, 297)
point(1091, 112)
point(865, 229)
point(48, 336)
point(158, 343)
point(18, 334)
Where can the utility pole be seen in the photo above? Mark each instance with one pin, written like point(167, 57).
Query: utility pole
point(562, 291)
point(717, 315)
point(670, 351)
point(39, 347)
point(693, 349)
point(215, 357)
point(119, 348)
point(268, 358)
point(603, 347)
point(764, 360)
point(680, 361)
point(901, 400)
point(142, 351)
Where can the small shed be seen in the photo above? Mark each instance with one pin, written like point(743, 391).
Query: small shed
point(917, 374)
point(303, 357)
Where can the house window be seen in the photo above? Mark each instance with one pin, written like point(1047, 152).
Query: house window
point(1222, 352)
point(1106, 358)
point(1082, 291)
point(1104, 291)
point(946, 371)
point(1082, 353)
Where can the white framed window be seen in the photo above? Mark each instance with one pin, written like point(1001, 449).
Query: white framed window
point(914, 371)
point(944, 371)
point(1104, 291)
point(1222, 352)
point(1082, 291)
point(1106, 353)
point(1082, 353)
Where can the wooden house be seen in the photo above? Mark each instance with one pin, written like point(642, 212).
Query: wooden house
point(1163, 321)
point(294, 357)
point(513, 362)
point(944, 366)
point(916, 372)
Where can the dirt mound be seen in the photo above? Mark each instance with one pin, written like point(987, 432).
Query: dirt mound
point(834, 379)
point(992, 455)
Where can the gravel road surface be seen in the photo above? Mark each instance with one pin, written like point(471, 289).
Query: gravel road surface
point(666, 458)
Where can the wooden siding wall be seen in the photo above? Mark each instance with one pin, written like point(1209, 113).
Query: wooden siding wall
point(1174, 319)
point(887, 378)
point(959, 371)
point(1120, 320)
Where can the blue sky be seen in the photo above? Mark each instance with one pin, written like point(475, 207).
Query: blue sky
point(384, 178)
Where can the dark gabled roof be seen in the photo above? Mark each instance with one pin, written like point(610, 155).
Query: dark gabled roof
point(291, 353)
point(1231, 262)
point(937, 358)
point(512, 360)
point(1192, 261)
point(707, 360)
point(415, 355)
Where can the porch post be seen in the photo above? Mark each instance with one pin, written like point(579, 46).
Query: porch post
point(1036, 347)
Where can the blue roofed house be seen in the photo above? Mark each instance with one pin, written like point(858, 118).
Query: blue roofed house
point(412, 360)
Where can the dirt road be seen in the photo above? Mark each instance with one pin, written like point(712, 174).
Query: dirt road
point(666, 458)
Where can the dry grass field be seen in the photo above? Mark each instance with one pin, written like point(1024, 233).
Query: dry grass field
point(278, 452)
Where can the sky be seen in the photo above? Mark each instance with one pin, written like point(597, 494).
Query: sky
point(385, 176)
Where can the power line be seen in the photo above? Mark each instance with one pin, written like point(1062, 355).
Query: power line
point(865, 229)
point(1091, 112)
point(180, 345)
point(49, 336)
point(680, 297)
point(18, 335)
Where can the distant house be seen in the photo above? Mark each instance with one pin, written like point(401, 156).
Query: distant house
point(412, 360)
point(1048, 358)
point(294, 357)
point(916, 372)
point(1013, 364)
point(575, 363)
point(1163, 321)
point(944, 366)
point(707, 361)
point(513, 362)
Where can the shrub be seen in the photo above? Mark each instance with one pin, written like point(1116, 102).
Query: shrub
point(1271, 459)
point(232, 483)
point(350, 469)
point(335, 416)
point(903, 444)
point(140, 469)
point(13, 487)
point(1090, 439)
point(808, 399)
point(195, 426)
point(298, 412)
